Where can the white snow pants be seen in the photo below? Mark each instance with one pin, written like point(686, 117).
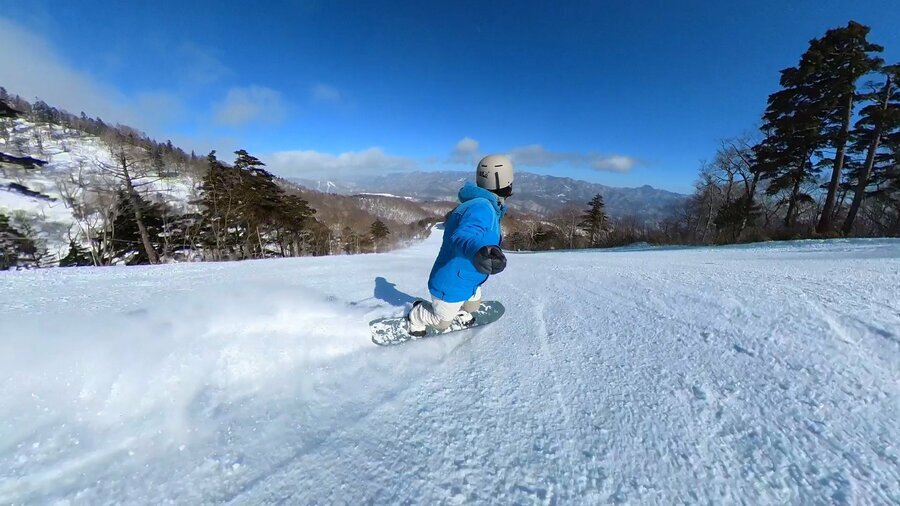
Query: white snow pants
point(440, 314)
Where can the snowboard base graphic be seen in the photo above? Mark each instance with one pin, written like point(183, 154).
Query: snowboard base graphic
point(392, 330)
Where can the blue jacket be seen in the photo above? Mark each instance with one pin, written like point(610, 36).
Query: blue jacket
point(474, 223)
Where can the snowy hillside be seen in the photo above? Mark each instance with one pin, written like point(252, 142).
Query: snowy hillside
point(764, 374)
point(393, 208)
point(75, 160)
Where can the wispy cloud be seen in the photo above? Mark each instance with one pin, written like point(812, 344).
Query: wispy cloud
point(201, 64)
point(535, 155)
point(32, 68)
point(468, 150)
point(465, 151)
point(614, 163)
point(250, 104)
point(319, 165)
point(325, 94)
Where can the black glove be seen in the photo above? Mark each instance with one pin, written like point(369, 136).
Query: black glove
point(490, 260)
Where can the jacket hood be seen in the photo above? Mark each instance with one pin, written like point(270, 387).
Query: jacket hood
point(470, 191)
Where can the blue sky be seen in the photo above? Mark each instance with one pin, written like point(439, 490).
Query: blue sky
point(622, 93)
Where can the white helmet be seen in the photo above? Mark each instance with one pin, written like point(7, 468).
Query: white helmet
point(495, 173)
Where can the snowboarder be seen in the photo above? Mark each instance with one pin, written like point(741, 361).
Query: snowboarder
point(469, 253)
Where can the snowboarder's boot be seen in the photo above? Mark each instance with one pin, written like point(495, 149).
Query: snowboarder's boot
point(471, 305)
point(465, 319)
point(415, 331)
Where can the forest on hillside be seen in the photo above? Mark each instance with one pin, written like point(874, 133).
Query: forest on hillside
point(133, 200)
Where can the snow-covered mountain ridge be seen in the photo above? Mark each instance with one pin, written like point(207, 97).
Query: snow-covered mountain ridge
point(540, 194)
point(762, 374)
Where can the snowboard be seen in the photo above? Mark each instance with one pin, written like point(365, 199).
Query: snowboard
point(392, 330)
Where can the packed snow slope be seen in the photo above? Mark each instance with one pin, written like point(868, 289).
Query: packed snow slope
point(760, 374)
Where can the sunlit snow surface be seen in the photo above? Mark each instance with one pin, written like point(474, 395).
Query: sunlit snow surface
point(757, 374)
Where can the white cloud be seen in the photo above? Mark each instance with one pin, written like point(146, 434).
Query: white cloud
point(324, 93)
point(250, 104)
point(315, 164)
point(465, 151)
point(33, 69)
point(536, 156)
point(614, 163)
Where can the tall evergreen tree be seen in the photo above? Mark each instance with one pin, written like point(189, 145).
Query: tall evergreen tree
point(16, 248)
point(379, 231)
point(891, 193)
point(294, 224)
point(811, 113)
point(221, 209)
point(834, 64)
point(791, 125)
point(876, 130)
point(261, 198)
point(78, 256)
point(736, 215)
point(594, 220)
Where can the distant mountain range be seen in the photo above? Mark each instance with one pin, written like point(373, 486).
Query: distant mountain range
point(535, 193)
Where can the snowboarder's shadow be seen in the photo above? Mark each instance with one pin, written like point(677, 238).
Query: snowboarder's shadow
point(387, 291)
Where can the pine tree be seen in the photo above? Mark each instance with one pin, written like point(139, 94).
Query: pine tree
point(127, 235)
point(734, 216)
point(221, 209)
point(131, 172)
point(246, 213)
point(379, 231)
point(594, 220)
point(811, 113)
point(890, 193)
point(836, 62)
point(210, 192)
point(16, 248)
point(792, 125)
point(875, 131)
point(78, 256)
point(294, 225)
point(156, 162)
point(261, 198)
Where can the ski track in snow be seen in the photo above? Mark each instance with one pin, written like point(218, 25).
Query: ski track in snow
point(760, 374)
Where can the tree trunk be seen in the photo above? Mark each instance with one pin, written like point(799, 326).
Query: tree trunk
point(138, 216)
point(792, 204)
point(748, 206)
point(841, 148)
point(259, 239)
point(840, 203)
point(860, 194)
